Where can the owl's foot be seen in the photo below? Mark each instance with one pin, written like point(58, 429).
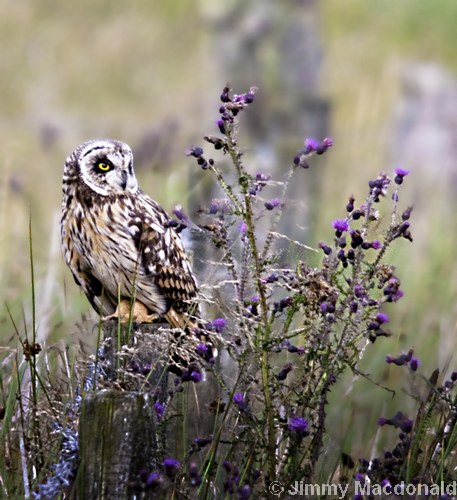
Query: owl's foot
point(138, 313)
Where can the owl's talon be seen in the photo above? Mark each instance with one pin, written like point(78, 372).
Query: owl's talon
point(125, 312)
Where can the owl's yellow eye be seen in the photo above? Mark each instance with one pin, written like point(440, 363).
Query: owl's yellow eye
point(103, 166)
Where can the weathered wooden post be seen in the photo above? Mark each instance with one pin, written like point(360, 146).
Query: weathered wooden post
point(119, 438)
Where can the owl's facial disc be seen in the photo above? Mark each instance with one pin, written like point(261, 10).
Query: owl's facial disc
point(107, 168)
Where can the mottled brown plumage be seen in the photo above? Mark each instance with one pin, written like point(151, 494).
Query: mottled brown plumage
point(118, 242)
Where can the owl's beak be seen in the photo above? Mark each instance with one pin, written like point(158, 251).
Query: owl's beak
point(128, 181)
point(124, 179)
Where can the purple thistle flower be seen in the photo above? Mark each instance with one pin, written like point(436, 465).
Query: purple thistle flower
point(407, 213)
point(399, 174)
point(219, 324)
point(272, 278)
point(350, 204)
point(414, 364)
point(244, 492)
point(227, 466)
point(285, 302)
point(239, 401)
point(159, 409)
point(218, 206)
point(382, 421)
point(402, 359)
point(327, 142)
point(221, 125)
point(196, 151)
point(324, 145)
point(196, 376)
point(300, 160)
point(325, 248)
point(298, 426)
point(392, 290)
point(243, 228)
point(292, 347)
point(259, 176)
point(356, 238)
point(323, 307)
point(202, 349)
point(153, 480)
point(359, 291)
point(376, 245)
point(275, 202)
point(382, 318)
point(202, 442)
point(225, 96)
point(178, 211)
point(282, 375)
point(311, 144)
point(171, 466)
point(245, 98)
point(340, 226)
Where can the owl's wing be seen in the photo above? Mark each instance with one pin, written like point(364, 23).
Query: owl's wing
point(162, 256)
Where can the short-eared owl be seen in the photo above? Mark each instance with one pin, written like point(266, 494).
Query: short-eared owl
point(118, 242)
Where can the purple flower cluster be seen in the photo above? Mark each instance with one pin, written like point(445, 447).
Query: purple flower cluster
point(285, 370)
point(197, 152)
point(375, 328)
point(399, 421)
point(252, 306)
point(399, 174)
point(298, 426)
point(193, 373)
point(288, 346)
point(171, 466)
point(232, 481)
point(159, 408)
point(378, 187)
point(284, 303)
point(392, 291)
point(151, 480)
point(342, 226)
point(233, 484)
point(274, 203)
point(312, 146)
point(231, 106)
point(202, 442)
point(260, 181)
point(405, 359)
point(239, 400)
point(219, 206)
point(217, 325)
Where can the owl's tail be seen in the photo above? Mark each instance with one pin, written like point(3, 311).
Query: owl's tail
point(191, 326)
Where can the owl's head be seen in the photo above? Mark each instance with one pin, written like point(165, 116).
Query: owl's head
point(105, 166)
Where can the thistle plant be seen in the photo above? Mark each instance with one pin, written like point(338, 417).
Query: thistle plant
point(291, 329)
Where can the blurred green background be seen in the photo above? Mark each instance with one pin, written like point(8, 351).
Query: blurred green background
point(378, 77)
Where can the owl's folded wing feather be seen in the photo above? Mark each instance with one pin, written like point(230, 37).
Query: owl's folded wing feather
point(163, 257)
